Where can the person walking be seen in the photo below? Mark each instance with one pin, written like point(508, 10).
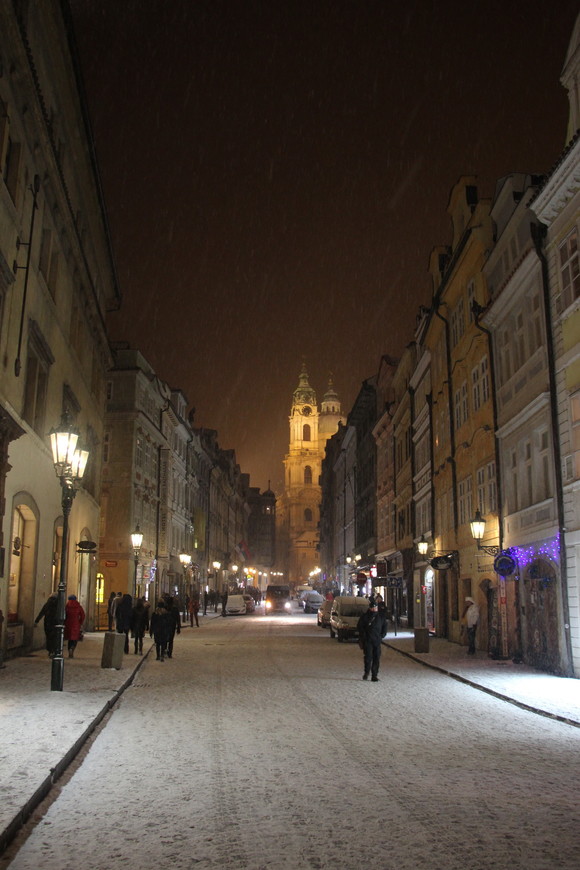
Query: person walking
point(159, 629)
point(74, 616)
point(48, 612)
point(372, 627)
point(123, 614)
point(205, 602)
point(224, 602)
point(174, 623)
point(470, 619)
point(110, 610)
point(193, 610)
point(139, 624)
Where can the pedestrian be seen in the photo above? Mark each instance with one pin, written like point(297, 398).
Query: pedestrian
point(139, 624)
point(73, 623)
point(123, 614)
point(205, 601)
point(224, 602)
point(159, 629)
point(372, 627)
point(114, 603)
point(174, 623)
point(48, 612)
point(470, 620)
point(110, 610)
point(193, 610)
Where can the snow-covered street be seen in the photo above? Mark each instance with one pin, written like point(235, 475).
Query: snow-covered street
point(259, 746)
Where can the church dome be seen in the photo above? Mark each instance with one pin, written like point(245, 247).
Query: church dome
point(330, 400)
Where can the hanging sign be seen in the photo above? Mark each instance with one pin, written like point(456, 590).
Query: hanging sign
point(504, 564)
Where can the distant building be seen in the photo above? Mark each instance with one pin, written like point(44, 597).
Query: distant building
point(299, 510)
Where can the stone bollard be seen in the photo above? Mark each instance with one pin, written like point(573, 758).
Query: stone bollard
point(113, 646)
point(421, 640)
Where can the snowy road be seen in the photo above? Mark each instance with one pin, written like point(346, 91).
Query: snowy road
point(259, 746)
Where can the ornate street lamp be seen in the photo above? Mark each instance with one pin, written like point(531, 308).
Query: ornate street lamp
point(477, 525)
point(185, 560)
point(216, 567)
point(69, 464)
point(423, 546)
point(136, 541)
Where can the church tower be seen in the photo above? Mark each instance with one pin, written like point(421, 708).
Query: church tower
point(299, 507)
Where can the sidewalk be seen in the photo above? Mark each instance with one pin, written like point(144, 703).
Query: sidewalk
point(42, 731)
point(545, 694)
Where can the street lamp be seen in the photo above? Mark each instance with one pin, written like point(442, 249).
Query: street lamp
point(216, 567)
point(136, 541)
point(185, 560)
point(69, 464)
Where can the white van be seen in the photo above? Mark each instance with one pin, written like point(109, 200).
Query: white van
point(345, 614)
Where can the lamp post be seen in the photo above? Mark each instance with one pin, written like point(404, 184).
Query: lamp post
point(69, 464)
point(216, 567)
point(185, 560)
point(136, 541)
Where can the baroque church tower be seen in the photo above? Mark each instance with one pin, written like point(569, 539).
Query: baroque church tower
point(299, 508)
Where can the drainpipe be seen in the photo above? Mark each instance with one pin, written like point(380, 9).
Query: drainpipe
point(538, 233)
point(477, 312)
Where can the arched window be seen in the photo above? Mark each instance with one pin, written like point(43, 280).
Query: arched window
point(308, 515)
point(307, 474)
point(306, 432)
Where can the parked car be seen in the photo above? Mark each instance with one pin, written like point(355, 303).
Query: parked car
point(236, 605)
point(250, 603)
point(345, 614)
point(323, 617)
point(311, 601)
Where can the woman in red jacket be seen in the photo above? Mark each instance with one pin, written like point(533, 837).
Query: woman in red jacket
point(74, 618)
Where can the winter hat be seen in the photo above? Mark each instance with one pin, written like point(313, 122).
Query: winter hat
point(470, 599)
point(72, 598)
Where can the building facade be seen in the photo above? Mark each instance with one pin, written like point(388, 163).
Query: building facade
point(57, 281)
point(299, 510)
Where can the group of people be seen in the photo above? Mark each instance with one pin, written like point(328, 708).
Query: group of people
point(135, 620)
point(74, 617)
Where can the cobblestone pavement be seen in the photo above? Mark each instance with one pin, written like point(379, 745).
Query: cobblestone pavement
point(259, 746)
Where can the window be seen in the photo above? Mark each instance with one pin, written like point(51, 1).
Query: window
point(48, 263)
point(307, 515)
point(139, 452)
point(514, 503)
point(470, 300)
point(106, 446)
point(39, 359)
point(465, 500)
point(464, 402)
point(307, 475)
point(544, 481)
point(484, 374)
point(457, 323)
point(457, 408)
point(11, 170)
point(475, 389)
point(569, 273)
point(491, 488)
point(535, 332)
point(306, 432)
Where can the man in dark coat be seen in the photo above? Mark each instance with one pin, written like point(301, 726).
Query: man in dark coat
point(159, 627)
point(174, 622)
point(48, 611)
point(139, 624)
point(123, 615)
point(372, 627)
